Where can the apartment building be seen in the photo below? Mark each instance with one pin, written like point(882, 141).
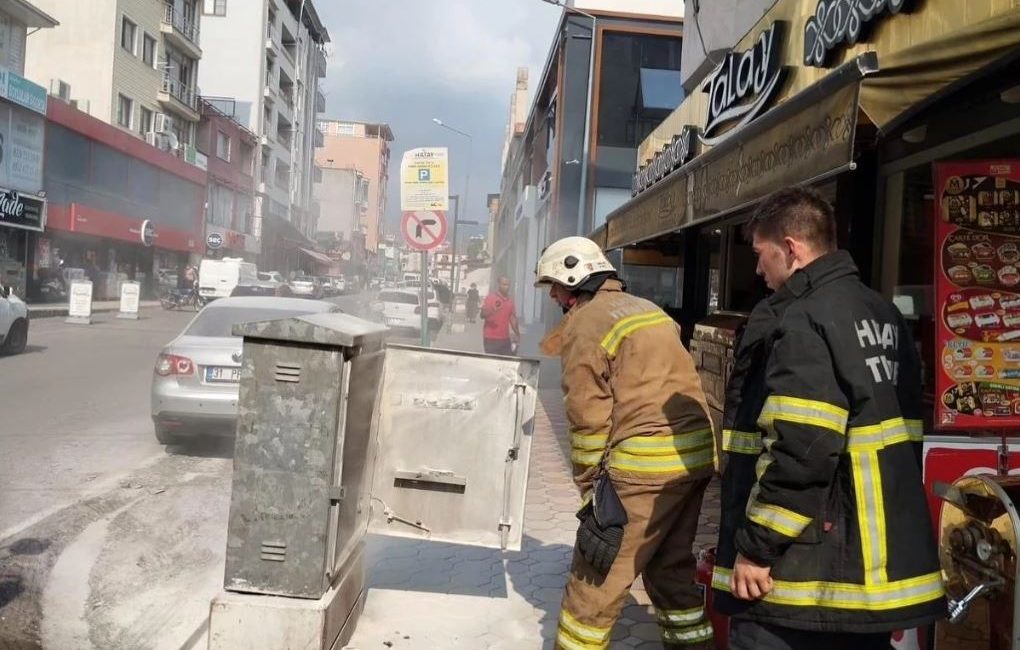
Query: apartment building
point(269, 57)
point(130, 63)
point(23, 128)
point(569, 163)
point(366, 149)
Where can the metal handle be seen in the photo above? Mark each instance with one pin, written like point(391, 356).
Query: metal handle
point(958, 608)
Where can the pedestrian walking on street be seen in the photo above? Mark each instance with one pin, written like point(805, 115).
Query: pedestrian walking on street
point(642, 451)
point(472, 303)
point(825, 540)
point(501, 331)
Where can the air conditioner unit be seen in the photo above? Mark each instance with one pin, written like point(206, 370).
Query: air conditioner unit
point(60, 88)
point(162, 123)
point(153, 138)
point(82, 105)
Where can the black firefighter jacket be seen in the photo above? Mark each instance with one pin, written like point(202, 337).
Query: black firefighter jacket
point(822, 434)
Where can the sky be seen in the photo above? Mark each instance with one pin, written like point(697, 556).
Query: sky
point(404, 63)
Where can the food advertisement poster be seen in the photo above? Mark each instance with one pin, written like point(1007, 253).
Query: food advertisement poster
point(977, 291)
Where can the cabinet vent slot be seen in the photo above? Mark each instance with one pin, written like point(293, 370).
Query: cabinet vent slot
point(288, 372)
point(274, 551)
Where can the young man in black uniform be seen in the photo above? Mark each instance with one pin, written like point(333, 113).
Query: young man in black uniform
point(825, 539)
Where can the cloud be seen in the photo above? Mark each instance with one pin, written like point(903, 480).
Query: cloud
point(405, 62)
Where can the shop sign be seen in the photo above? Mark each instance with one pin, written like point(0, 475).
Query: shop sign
point(744, 84)
point(214, 240)
point(147, 233)
point(654, 213)
point(22, 211)
point(842, 22)
point(18, 90)
point(815, 140)
point(977, 290)
point(673, 155)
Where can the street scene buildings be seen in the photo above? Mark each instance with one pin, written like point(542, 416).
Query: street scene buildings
point(320, 325)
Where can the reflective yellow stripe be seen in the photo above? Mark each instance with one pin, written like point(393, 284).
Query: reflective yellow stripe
point(680, 617)
point(783, 521)
point(586, 457)
point(682, 452)
point(884, 434)
point(691, 635)
point(802, 411)
point(742, 442)
point(870, 515)
point(627, 326)
point(575, 634)
point(589, 442)
point(840, 595)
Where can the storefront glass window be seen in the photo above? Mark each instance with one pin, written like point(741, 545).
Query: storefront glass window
point(659, 284)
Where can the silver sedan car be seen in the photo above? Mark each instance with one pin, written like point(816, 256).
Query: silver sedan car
point(196, 379)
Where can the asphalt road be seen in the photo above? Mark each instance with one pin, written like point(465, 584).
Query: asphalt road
point(108, 539)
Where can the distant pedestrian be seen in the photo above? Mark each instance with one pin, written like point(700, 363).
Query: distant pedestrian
point(501, 331)
point(472, 304)
point(191, 277)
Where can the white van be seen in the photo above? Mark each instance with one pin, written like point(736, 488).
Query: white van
point(217, 278)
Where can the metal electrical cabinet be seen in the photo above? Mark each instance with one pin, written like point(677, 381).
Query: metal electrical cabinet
point(338, 434)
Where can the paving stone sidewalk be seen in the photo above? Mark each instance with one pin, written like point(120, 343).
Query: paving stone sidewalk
point(441, 596)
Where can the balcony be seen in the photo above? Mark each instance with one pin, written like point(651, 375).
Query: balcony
point(320, 101)
point(319, 64)
point(179, 97)
point(318, 139)
point(181, 30)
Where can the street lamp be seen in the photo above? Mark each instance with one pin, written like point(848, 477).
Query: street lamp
point(455, 272)
point(582, 206)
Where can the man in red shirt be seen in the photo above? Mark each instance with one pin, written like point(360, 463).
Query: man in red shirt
point(500, 317)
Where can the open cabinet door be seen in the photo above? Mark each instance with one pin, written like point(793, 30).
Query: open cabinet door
point(453, 447)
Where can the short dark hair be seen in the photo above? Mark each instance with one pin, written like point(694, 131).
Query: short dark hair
point(798, 212)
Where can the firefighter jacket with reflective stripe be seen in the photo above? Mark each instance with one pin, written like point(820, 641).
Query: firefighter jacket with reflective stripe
point(629, 383)
point(823, 474)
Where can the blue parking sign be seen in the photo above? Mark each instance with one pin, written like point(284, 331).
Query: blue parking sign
point(425, 175)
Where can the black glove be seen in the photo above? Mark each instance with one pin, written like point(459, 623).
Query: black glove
point(600, 535)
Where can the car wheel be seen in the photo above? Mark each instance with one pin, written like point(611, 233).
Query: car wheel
point(165, 437)
point(17, 338)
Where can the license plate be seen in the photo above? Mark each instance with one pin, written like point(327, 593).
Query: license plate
point(223, 375)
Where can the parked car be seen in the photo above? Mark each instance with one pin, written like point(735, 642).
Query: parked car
point(217, 278)
point(328, 289)
point(13, 323)
point(305, 286)
point(400, 310)
point(271, 276)
point(196, 377)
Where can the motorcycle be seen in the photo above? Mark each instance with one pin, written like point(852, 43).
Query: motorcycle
point(181, 298)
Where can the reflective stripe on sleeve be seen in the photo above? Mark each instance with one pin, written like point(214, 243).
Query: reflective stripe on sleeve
point(742, 442)
point(680, 617)
point(587, 449)
point(627, 326)
point(783, 521)
point(884, 434)
point(838, 595)
point(695, 634)
point(802, 411)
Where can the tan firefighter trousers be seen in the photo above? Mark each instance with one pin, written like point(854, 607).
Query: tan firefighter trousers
point(657, 541)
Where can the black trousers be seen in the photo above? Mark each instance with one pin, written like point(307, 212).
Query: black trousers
point(751, 635)
point(502, 347)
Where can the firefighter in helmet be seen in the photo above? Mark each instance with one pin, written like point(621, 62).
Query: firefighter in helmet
point(642, 451)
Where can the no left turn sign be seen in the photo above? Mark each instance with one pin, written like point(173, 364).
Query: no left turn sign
point(423, 230)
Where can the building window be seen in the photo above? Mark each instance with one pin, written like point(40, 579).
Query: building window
point(124, 108)
point(222, 146)
point(214, 7)
point(639, 87)
point(149, 50)
point(145, 120)
point(128, 34)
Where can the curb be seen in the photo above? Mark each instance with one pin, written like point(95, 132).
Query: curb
point(61, 311)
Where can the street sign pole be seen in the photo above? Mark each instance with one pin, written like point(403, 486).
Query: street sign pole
point(423, 300)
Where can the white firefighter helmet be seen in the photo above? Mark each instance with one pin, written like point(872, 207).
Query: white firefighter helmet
point(570, 261)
